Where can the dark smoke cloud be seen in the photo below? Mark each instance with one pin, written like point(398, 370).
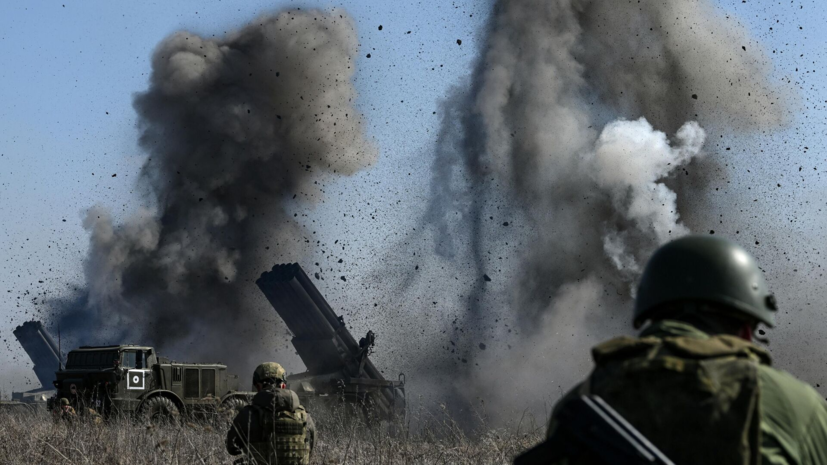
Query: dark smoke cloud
point(235, 128)
point(578, 116)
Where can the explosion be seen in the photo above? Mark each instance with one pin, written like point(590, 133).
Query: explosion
point(582, 117)
point(235, 128)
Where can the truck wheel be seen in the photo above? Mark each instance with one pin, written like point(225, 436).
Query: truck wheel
point(159, 409)
point(233, 405)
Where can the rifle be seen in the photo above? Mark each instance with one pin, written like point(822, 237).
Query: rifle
point(589, 424)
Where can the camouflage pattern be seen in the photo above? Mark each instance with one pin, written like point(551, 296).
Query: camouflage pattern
point(704, 269)
point(269, 371)
point(717, 391)
point(275, 428)
point(64, 411)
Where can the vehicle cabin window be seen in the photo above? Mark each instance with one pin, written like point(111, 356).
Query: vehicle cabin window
point(191, 383)
point(176, 375)
point(140, 360)
point(207, 383)
point(128, 359)
point(134, 359)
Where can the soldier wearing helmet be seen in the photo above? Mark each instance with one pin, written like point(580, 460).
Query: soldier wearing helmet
point(693, 382)
point(274, 428)
point(65, 411)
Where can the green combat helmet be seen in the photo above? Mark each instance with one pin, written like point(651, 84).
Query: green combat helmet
point(704, 268)
point(64, 401)
point(268, 371)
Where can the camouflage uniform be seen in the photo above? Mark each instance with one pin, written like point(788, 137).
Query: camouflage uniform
point(697, 391)
point(789, 425)
point(275, 428)
point(65, 411)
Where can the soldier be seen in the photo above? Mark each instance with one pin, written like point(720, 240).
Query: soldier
point(275, 428)
point(65, 411)
point(692, 382)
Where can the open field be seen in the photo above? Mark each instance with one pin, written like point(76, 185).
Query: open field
point(36, 439)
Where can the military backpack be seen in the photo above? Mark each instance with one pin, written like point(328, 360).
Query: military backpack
point(695, 399)
point(285, 438)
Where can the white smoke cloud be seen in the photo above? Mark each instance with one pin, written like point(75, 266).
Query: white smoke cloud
point(580, 116)
point(629, 161)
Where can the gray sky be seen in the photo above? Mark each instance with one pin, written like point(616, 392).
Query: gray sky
point(68, 71)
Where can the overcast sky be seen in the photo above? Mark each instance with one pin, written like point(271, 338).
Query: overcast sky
point(68, 72)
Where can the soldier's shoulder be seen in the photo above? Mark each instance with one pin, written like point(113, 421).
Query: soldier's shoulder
point(779, 383)
point(575, 392)
point(787, 401)
point(245, 414)
point(794, 414)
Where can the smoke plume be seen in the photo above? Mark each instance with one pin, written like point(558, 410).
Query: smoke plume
point(235, 128)
point(579, 116)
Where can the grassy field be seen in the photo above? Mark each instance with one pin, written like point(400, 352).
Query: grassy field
point(38, 439)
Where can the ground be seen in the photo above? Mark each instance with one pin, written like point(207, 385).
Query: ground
point(27, 439)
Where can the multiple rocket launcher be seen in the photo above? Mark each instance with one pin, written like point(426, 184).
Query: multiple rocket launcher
point(45, 354)
point(338, 367)
point(41, 349)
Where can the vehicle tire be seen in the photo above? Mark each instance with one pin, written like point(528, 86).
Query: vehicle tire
point(233, 405)
point(159, 409)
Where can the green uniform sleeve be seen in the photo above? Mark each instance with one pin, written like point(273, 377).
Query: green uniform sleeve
point(576, 391)
point(241, 429)
point(793, 420)
point(311, 432)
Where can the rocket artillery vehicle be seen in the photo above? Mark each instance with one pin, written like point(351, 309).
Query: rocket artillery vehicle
point(45, 354)
point(132, 379)
point(338, 368)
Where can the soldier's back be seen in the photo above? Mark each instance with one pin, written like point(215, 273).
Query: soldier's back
point(682, 389)
point(275, 428)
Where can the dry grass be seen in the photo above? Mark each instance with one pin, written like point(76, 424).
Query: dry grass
point(35, 439)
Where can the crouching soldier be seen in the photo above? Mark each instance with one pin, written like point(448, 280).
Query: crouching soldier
point(65, 411)
point(275, 428)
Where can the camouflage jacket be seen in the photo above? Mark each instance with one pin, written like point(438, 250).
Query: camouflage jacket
point(249, 430)
point(791, 422)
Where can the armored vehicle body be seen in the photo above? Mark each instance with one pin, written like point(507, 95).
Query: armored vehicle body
point(338, 368)
point(133, 379)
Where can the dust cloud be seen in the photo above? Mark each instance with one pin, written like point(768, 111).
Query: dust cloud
point(235, 128)
point(582, 117)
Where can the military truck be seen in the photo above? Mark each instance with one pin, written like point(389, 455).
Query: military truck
point(132, 379)
point(339, 371)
